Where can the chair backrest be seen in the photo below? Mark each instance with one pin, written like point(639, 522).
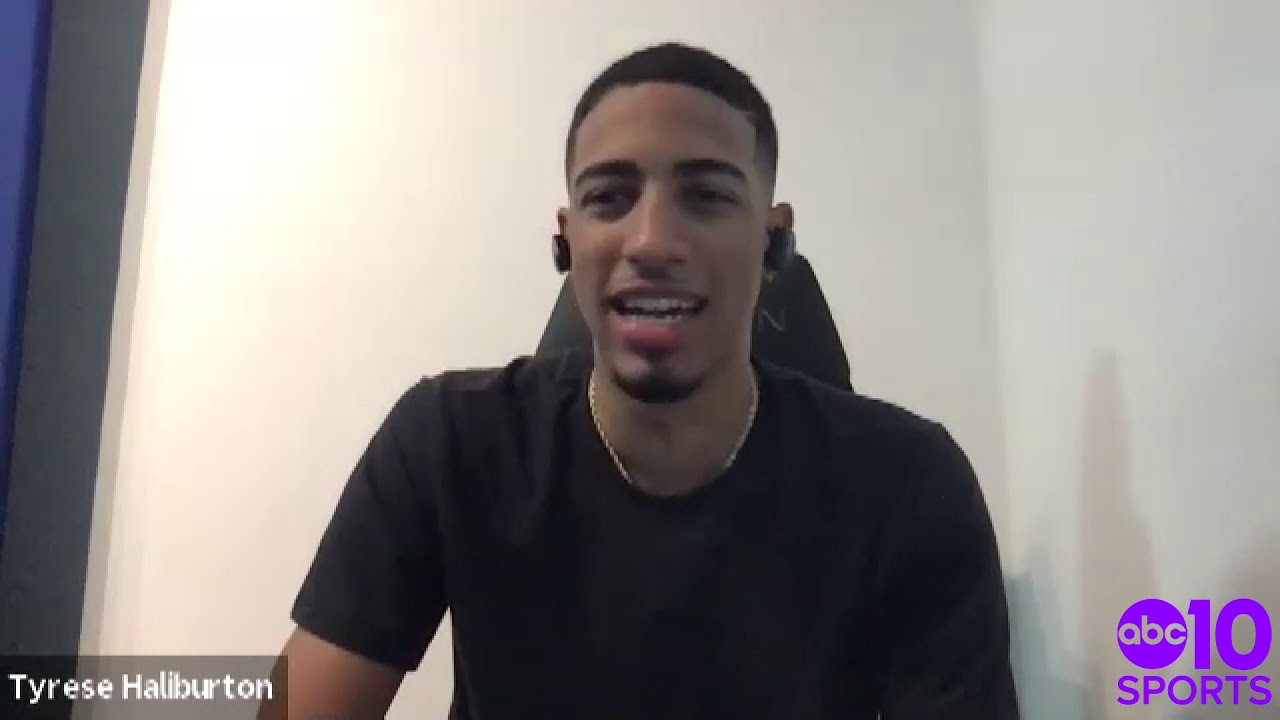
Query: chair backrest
point(794, 327)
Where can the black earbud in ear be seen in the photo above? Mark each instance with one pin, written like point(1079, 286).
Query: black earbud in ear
point(782, 247)
point(560, 253)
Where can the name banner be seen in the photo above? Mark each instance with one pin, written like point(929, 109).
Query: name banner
point(142, 688)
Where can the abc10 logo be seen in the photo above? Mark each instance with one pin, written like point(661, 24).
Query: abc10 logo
point(1153, 634)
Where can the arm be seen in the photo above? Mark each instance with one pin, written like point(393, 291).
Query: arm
point(373, 597)
point(946, 613)
point(326, 681)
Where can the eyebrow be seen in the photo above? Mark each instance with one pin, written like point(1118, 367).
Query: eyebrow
point(710, 166)
point(626, 169)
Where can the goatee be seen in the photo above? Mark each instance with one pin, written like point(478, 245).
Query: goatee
point(656, 387)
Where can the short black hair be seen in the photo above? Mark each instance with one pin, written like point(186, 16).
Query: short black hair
point(674, 62)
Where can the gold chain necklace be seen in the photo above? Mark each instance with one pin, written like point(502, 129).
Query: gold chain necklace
point(617, 461)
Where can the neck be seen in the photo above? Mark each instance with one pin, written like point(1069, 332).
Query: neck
point(674, 448)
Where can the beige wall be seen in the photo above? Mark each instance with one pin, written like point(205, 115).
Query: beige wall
point(337, 200)
point(1134, 152)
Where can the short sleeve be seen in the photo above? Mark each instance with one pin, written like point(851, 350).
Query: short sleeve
point(375, 585)
point(947, 622)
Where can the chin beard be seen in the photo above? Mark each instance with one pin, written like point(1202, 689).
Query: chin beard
point(656, 387)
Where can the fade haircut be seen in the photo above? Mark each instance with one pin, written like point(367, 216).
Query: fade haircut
point(693, 67)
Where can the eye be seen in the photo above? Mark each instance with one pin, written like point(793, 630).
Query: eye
point(708, 197)
point(608, 201)
point(600, 197)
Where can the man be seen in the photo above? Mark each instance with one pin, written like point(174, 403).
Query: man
point(668, 528)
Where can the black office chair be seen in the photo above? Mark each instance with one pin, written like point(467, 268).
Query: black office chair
point(794, 328)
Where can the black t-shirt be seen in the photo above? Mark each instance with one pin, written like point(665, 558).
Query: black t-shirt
point(844, 566)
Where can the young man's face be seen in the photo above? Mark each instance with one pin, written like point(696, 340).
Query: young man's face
point(667, 226)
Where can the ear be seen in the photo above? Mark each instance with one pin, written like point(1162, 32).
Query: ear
point(781, 215)
point(562, 220)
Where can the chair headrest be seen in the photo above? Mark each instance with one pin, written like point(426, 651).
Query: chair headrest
point(794, 327)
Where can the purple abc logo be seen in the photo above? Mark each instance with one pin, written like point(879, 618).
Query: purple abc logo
point(1153, 633)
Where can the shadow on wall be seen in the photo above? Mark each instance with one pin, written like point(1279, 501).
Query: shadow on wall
point(1046, 688)
point(1116, 566)
point(1061, 680)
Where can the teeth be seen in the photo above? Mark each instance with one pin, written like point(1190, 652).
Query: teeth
point(660, 319)
point(658, 305)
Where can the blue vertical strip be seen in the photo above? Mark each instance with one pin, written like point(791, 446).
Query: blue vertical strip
point(24, 60)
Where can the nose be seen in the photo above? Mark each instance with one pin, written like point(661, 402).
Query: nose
point(654, 239)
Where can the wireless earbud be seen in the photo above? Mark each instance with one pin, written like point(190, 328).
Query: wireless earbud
point(782, 247)
point(560, 253)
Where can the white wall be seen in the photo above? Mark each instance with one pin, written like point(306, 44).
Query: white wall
point(1057, 234)
point(338, 199)
point(1134, 152)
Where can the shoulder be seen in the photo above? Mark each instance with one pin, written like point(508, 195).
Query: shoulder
point(481, 442)
point(468, 419)
point(523, 384)
point(904, 451)
point(843, 414)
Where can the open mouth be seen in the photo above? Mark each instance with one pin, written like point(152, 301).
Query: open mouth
point(657, 309)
